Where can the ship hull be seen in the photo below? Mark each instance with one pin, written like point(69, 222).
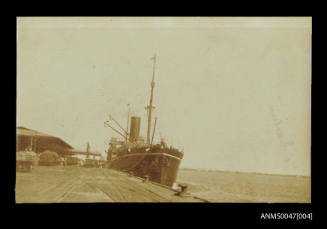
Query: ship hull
point(159, 167)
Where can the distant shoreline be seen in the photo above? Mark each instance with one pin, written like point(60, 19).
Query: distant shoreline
point(257, 173)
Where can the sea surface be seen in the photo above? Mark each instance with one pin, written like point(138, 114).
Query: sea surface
point(219, 186)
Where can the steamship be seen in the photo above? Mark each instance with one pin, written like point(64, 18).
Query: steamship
point(143, 158)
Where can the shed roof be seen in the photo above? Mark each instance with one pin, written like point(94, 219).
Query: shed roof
point(22, 131)
point(28, 132)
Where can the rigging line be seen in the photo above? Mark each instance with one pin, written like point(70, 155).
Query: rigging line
point(160, 135)
point(112, 118)
point(154, 129)
point(118, 132)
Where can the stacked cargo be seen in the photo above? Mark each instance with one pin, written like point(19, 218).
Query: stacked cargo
point(72, 160)
point(92, 163)
point(25, 161)
point(49, 158)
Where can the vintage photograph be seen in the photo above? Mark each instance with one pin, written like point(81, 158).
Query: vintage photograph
point(163, 109)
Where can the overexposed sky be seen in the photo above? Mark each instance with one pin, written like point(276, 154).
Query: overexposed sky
point(234, 93)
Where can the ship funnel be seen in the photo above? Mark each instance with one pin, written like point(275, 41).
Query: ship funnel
point(135, 128)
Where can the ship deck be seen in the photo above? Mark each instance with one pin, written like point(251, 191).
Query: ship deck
point(72, 184)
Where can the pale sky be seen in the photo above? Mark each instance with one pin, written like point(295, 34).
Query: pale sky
point(234, 93)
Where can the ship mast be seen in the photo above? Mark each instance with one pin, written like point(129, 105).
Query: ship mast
point(127, 123)
point(87, 149)
point(149, 108)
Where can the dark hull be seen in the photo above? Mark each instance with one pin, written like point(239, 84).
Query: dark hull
point(160, 167)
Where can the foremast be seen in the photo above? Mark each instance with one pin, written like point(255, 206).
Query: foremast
point(149, 108)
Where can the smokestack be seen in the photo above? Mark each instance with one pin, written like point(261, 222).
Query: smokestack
point(135, 128)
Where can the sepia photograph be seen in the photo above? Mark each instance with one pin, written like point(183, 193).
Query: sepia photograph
point(163, 109)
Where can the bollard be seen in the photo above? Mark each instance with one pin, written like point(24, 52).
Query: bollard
point(146, 178)
point(183, 190)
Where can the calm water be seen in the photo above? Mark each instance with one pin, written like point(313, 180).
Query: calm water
point(220, 186)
